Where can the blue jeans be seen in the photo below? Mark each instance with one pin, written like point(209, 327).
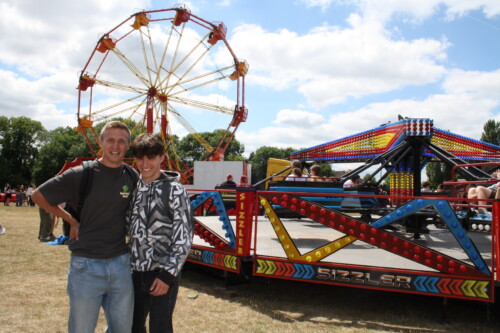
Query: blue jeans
point(93, 283)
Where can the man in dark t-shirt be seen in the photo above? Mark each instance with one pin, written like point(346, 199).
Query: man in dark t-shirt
point(99, 272)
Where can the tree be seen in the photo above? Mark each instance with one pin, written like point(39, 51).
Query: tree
point(326, 169)
point(259, 158)
point(20, 140)
point(491, 132)
point(191, 150)
point(437, 173)
point(63, 144)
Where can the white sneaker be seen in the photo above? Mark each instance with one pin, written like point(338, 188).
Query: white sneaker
point(3, 231)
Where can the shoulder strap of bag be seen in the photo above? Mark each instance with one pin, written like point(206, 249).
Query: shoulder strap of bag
point(85, 184)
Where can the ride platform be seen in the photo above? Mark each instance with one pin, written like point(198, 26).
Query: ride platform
point(329, 246)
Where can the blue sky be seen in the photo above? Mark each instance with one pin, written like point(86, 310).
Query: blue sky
point(319, 69)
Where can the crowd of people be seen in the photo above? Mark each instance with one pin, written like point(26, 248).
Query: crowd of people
point(229, 182)
point(299, 173)
point(20, 194)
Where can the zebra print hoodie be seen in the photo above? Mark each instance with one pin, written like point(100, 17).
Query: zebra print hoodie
point(160, 226)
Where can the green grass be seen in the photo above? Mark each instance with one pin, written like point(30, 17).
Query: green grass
point(33, 297)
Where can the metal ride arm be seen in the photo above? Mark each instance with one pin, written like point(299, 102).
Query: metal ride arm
point(271, 177)
point(471, 173)
point(391, 153)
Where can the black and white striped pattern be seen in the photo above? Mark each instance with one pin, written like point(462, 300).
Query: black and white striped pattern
point(160, 225)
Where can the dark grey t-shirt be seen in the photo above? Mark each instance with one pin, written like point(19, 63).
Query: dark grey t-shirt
point(102, 221)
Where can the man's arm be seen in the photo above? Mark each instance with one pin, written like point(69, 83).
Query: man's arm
point(40, 200)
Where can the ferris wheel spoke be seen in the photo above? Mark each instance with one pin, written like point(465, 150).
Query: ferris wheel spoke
point(190, 128)
point(130, 65)
point(174, 56)
point(119, 86)
point(164, 56)
point(202, 105)
point(183, 90)
point(219, 71)
point(152, 51)
point(181, 77)
point(104, 113)
point(176, 66)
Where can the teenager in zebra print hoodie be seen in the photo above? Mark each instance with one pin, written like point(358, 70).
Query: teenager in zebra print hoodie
point(161, 232)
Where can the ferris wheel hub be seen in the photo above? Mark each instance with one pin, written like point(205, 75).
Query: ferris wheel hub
point(152, 92)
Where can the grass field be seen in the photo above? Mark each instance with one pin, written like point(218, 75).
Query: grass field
point(33, 297)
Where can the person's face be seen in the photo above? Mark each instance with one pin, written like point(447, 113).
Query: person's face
point(114, 145)
point(150, 168)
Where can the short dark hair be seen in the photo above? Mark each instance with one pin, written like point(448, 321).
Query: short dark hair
point(147, 144)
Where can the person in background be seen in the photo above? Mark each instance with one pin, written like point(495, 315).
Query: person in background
point(296, 176)
point(315, 174)
point(7, 190)
point(354, 181)
point(45, 233)
point(440, 188)
point(20, 195)
point(29, 193)
point(229, 181)
point(99, 270)
point(426, 186)
point(243, 181)
point(483, 192)
point(161, 230)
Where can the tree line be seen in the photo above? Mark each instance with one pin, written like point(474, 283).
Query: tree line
point(31, 154)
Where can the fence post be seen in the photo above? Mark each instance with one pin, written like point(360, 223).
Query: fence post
point(244, 216)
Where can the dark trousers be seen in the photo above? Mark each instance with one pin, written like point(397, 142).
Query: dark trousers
point(159, 308)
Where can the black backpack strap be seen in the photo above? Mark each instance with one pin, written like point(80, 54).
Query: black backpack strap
point(133, 174)
point(85, 185)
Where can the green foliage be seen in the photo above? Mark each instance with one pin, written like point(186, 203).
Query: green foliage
point(437, 173)
point(20, 141)
point(491, 132)
point(64, 144)
point(190, 150)
point(326, 169)
point(259, 158)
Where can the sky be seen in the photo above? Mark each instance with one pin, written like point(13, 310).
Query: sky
point(319, 70)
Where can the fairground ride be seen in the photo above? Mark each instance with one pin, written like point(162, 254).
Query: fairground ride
point(397, 153)
point(166, 71)
point(404, 241)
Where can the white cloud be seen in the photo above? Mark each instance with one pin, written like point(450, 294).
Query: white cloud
point(298, 118)
point(468, 101)
point(484, 85)
point(416, 10)
point(44, 46)
point(324, 4)
point(35, 99)
point(329, 64)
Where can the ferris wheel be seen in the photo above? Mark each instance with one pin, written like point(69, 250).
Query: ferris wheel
point(166, 71)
